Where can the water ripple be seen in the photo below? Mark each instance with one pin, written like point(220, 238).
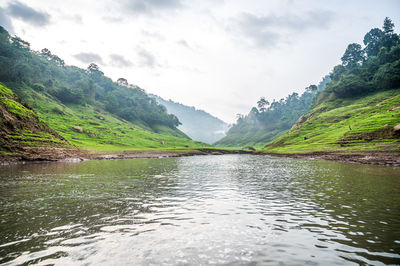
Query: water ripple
point(232, 209)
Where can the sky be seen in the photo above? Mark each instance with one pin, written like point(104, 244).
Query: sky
point(217, 55)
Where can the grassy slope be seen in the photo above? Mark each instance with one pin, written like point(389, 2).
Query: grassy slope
point(255, 137)
point(20, 126)
point(345, 125)
point(108, 134)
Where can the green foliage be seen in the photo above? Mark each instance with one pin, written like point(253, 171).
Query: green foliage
point(353, 55)
point(47, 74)
point(271, 120)
point(359, 75)
point(338, 124)
point(373, 41)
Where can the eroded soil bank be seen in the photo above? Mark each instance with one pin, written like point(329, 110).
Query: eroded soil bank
point(45, 154)
point(390, 158)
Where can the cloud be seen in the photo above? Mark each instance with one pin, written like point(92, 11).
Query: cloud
point(267, 30)
point(5, 21)
point(150, 7)
point(89, 58)
point(146, 58)
point(153, 35)
point(119, 61)
point(21, 11)
point(183, 43)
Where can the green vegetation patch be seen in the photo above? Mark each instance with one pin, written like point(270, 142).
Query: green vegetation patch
point(365, 123)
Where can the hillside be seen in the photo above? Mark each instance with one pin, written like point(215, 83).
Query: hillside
point(270, 120)
point(197, 124)
point(365, 123)
point(21, 131)
point(85, 107)
point(360, 108)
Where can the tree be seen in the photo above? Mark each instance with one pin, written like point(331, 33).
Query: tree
point(19, 43)
point(45, 53)
point(122, 82)
point(311, 88)
point(390, 38)
point(388, 26)
point(262, 103)
point(373, 41)
point(94, 69)
point(337, 72)
point(353, 55)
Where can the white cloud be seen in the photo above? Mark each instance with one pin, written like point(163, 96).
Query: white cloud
point(239, 50)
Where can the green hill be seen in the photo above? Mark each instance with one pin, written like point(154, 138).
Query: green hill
point(364, 123)
point(270, 120)
point(197, 124)
point(360, 108)
point(85, 107)
point(20, 127)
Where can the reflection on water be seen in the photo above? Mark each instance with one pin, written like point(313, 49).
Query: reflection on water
point(230, 209)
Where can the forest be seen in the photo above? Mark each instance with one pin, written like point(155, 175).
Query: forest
point(45, 72)
point(364, 70)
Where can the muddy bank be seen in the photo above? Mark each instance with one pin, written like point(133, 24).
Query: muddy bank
point(390, 158)
point(45, 154)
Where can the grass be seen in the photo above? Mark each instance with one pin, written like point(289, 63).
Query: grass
point(8, 100)
point(345, 125)
point(102, 131)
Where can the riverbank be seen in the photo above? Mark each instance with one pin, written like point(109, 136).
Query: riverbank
point(46, 154)
point(389, 158)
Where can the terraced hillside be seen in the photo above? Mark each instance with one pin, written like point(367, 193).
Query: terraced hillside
point(368, 123)
point(20, 127)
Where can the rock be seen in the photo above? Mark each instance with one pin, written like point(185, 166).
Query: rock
point(78, 129)
point(186, 146)
point(99, 117)
point(249, 148)
point(394, 108)
point(396, 128)
point(163, 142)
point(301, 119)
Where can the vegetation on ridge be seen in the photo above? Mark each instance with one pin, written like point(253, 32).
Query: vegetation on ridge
point(270, 120)
point(360, 107)
point(84, 106)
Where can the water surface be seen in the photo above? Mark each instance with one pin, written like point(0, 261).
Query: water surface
point(229, 209)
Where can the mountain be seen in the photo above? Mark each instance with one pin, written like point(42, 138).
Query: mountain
point(84, 106)
point(197, 124)
point(270, 120)
point(360, 108)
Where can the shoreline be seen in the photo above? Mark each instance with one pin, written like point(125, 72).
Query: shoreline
point(387, 158)
point(46, 154)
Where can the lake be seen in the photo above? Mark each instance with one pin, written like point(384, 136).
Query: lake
point(224, 209)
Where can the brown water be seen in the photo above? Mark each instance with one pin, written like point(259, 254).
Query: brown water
point(230, 209)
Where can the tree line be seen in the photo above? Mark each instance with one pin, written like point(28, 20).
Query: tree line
point(22, 68)
point(371, 68)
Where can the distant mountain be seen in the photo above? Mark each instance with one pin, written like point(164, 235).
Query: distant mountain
point(197, 124)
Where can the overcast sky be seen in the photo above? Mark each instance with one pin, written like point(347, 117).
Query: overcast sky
point(219, 56)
